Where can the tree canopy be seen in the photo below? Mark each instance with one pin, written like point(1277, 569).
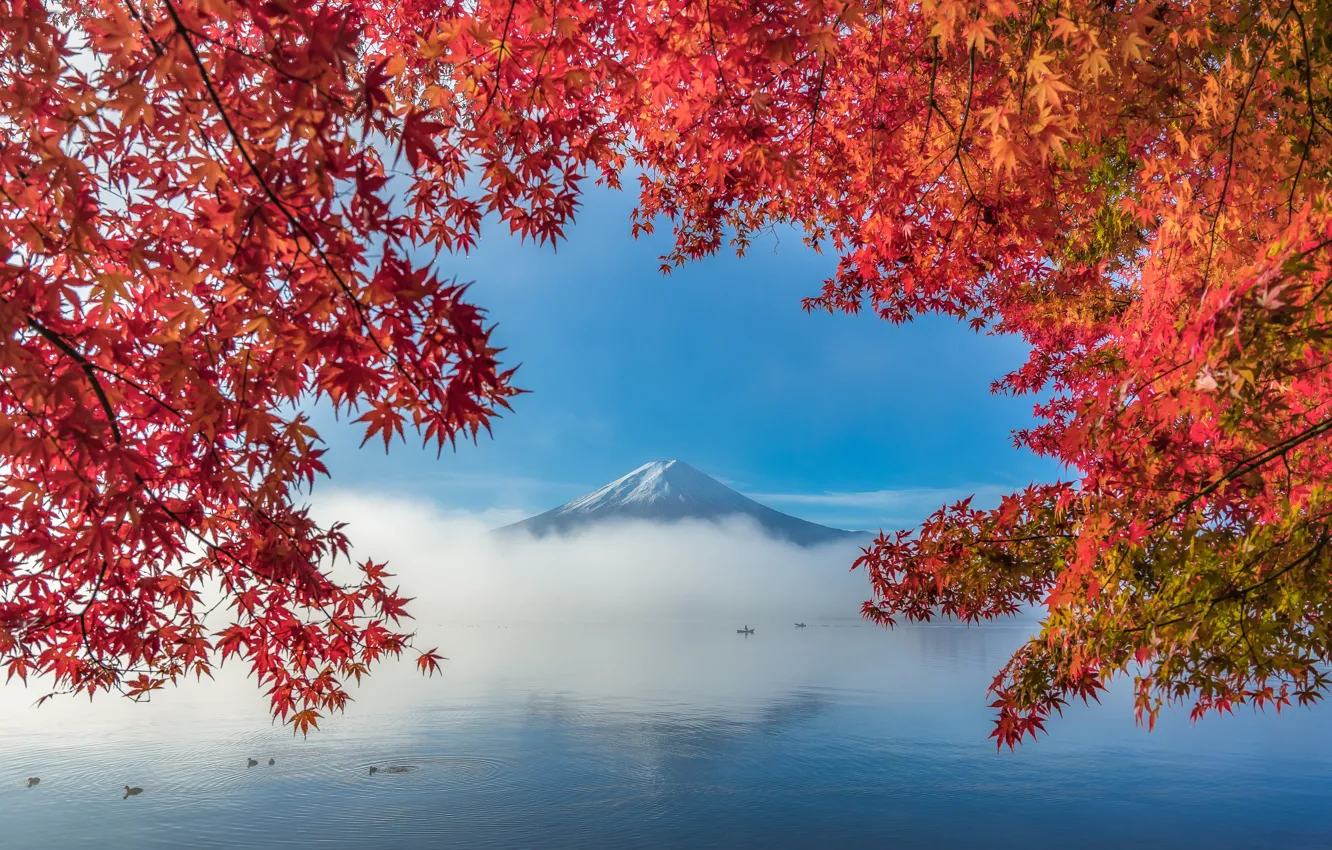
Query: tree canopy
point(212, 213)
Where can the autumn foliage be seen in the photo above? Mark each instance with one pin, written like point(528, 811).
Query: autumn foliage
point(215, 211)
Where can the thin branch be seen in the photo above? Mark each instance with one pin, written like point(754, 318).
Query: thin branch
point(930, 108)
point(716, 55)
point(1308, 98)
point(1230, 155)
point(89, 369)
point(1249, 465)
point(360, 308)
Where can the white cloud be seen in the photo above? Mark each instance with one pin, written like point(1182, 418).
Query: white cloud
point(909, 505)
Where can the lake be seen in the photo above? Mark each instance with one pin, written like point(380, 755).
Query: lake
point(664, 735)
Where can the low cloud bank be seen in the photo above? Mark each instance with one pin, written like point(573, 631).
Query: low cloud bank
point(460, 573)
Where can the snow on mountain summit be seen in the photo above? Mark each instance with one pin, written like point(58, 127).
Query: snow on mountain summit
point(656, 482)
point(668, 491)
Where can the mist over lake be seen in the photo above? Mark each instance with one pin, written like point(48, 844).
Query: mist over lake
point(664, 735)
point(597, 695)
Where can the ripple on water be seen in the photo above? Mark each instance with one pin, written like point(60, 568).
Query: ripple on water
point(474, 771)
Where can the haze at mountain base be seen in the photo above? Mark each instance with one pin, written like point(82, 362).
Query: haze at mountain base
point(629, 570)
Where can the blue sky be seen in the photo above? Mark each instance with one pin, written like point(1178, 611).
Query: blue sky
point(845, 420)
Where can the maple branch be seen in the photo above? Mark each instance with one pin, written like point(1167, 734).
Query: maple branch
point(874, 98)
point(930, 107)
point(1308, 97)
point(534, 92)
point(1025, 55)
point(75, 468)
point(77, 254)
point(160, 51)
point(966, 114)
point(244, 151)
point(1242, 593)
point(499, 62)
point(1230, 155)
point(818, 102)
point(262, 60)
point(1030, 538)
point(296, 545)
point(89, 369)
point(360, 308)
point(716, 54)
point(961, 138)
point(1249, 465)
point(219, 549)
point(101, 576)
point(83, 633)
point(908, 116)
point(1309, 555)
point(120, 376)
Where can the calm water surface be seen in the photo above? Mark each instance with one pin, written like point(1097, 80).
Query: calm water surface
point(682, 735)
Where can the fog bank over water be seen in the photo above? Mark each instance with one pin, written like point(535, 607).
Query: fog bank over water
point(459, 573)
point(625, 614)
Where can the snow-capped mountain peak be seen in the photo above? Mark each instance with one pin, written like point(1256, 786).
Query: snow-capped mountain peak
point(672, 490)
point(655, 482)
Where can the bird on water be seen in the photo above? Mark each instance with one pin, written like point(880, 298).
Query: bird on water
point(131, 792)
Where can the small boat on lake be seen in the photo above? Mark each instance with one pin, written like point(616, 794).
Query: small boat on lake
point(745, 631)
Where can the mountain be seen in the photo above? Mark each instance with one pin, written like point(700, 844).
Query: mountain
point(672, 490)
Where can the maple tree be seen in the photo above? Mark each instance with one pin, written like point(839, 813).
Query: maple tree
point(212, 211)
point(198, 239)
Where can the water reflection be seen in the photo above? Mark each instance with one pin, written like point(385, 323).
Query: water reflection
point(660, 736)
